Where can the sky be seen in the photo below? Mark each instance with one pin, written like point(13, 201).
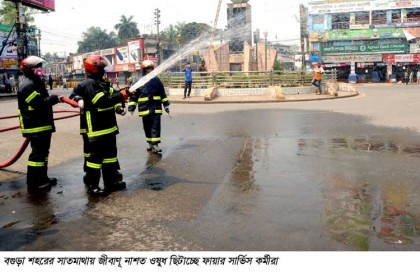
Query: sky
point(62, 28)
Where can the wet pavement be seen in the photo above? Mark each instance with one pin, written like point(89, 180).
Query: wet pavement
point(329, 175)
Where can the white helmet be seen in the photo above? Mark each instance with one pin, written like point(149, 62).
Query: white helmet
point(31, 62)
point(147, 64)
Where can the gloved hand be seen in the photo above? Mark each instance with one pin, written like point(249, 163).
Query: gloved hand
point(131, 109)
point(121, 110)
point(53, 99)
point(167, 109)
point(81, 104)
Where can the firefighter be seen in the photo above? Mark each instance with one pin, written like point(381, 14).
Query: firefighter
point(99, 104)
point(77, 95)
point(36, 121)
point(149, 100)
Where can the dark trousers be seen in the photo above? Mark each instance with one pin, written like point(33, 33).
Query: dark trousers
point(187, 86)
point(151, 126)
point(38, 159)
point(102, 158)
point(86, 150)
point(317, 83)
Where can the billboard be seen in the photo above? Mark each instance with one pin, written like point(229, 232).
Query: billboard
point(45, 5)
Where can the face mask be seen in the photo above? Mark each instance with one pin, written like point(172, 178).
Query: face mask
point(39, 72)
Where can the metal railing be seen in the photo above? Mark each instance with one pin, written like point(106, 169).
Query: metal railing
point(251, 79)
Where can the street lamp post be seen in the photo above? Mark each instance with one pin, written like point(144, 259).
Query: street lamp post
point(256, 40)
point(266, 43)
point(179, 41)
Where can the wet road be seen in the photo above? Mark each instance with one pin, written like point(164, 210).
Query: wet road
point(327, 175)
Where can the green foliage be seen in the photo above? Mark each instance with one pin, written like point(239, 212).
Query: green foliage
point(277, 65)
point(95, 38)
point(188, 32)
point(126, 28)
point(8, 13)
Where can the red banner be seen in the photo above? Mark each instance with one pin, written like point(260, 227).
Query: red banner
point(40, 4)
point(401, 58)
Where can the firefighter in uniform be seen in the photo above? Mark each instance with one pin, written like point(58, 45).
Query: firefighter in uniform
point(36, 121)
point(100, 102)
point(77, 95)
point(149, 100)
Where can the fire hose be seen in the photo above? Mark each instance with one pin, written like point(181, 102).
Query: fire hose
point(26, 142)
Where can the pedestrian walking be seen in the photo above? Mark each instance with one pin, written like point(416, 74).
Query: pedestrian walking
point(406, 79)
point(188, 80)
point(65, 83)
point(149, 100)
point(411, 77)
point(98, 126)
point(36, 122)
point(7, 85)
point(316, 81)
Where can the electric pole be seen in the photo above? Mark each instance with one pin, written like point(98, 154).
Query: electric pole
point(157, 22)
point(21, 39)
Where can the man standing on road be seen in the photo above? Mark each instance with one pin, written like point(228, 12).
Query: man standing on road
point(188, 80)
point(36, 122)
point(316, 81)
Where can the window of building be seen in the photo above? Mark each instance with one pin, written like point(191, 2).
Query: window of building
point(396, 16)
point(413, 15)
point(378, 17)
point(318, 19)
point(361, 18)
point(340, 21)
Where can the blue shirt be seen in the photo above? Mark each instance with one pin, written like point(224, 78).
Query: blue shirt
point(188, 74)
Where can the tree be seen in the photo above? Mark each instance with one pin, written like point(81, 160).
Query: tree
point(95, 38)
point(8, 13)
point(127, 28)
point(188, 31)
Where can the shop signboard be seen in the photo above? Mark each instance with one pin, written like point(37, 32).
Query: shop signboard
point(365, 34)
point(10, 49)
point(45, 5)
point(352, 58)
point(368, 48)
point(325, 7)
point(78, 62)
point(401, 58)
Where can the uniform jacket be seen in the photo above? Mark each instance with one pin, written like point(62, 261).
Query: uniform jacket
point(149, 98)
point(100, 101)
point(35, 108)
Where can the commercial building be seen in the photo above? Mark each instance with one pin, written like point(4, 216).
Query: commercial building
point(365, 40)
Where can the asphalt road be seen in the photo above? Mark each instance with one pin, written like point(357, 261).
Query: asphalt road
point(321, 175)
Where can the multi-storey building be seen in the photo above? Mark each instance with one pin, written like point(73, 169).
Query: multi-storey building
point(374, 40)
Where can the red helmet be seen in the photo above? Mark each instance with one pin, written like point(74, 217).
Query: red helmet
point(97, 64)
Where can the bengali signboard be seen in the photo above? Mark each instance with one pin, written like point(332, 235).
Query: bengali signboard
point(352, 58)
point(401, 58)
point(357, 6)
point(48, 5)
point(368, 48)
point(367, 34)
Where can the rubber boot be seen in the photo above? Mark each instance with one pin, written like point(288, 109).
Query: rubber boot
point(150, 147)
point(156, 149)
point(35, 179)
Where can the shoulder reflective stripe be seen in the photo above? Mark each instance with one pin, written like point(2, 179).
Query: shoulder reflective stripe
point(89, 122)
point(102, 132)
point(156, 98)
point(165, 99)
point(97, 96)
point(144, 113)
point(143, 99)
point(158, 111)
point(132, 103)
point(106, 109)
point(93, 165)
point(36, 130)
point(110, 160)
point(36, 164)
point(154, 139)
point(31, 96)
